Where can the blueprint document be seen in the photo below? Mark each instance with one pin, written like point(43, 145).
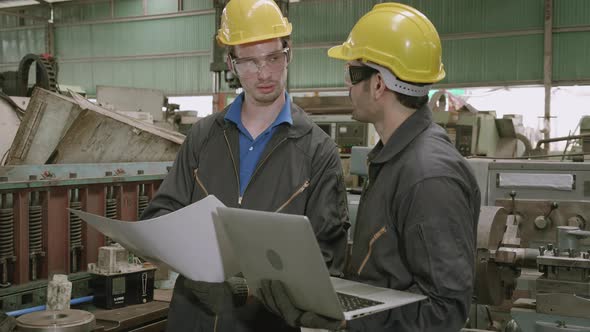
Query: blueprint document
point(188, 240)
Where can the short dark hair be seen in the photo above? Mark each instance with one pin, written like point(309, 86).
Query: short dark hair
point(411, 101)
point(407, 101)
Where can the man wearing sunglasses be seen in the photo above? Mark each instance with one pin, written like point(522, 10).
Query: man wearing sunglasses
point(418, 213)
point(263, 153)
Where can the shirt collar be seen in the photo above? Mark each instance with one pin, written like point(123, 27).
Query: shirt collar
point(234, 113)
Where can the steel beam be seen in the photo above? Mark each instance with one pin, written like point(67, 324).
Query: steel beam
point(547, 68)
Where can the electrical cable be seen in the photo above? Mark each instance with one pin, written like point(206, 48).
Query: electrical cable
point(75, 301)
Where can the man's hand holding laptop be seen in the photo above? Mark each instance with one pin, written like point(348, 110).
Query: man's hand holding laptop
point(216, 295)
point(275, 297)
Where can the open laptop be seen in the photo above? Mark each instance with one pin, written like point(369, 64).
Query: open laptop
point(283, 247)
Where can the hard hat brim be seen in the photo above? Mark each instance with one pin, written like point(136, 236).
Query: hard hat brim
point(336, 52)
point(224, 41)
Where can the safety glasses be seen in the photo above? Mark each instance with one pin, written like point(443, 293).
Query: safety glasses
point(250, 66)
point(355, 74)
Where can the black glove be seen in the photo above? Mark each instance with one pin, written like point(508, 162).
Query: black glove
point(216, 295)
point(275, 297)
point(7, 323)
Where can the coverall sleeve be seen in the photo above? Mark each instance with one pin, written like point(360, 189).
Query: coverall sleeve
point(439, 230)
point(327, 206)
point(176, 189)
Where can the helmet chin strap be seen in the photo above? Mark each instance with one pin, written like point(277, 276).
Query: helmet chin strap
point(394, 84)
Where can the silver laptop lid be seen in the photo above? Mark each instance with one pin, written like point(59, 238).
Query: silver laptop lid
point(282, 247)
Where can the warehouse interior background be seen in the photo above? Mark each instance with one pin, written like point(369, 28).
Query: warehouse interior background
point(515, 102)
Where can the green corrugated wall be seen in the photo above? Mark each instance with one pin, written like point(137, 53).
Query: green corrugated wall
point(484, 42)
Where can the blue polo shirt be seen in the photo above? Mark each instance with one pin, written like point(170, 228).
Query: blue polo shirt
point(251, 149)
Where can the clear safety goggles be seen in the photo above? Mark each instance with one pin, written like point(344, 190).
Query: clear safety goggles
point(250, 66)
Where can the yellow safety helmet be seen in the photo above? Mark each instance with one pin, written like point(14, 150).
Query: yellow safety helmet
point(248, 21)
point(399, 38)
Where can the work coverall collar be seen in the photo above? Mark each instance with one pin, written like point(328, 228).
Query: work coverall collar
point(402, 136)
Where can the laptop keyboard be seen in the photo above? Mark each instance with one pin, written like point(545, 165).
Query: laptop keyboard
point(352, 302)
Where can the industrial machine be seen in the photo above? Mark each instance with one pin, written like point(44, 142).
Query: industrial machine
point(12, 110)
point(482, 134)
point(346, 132)
point(16, 83)
point(121, 279)
point(63, 130)
point(62, 320)
point(147, 105)
point(533, 240)
point(333, 115)
point(532, 247)
point(39, 237)
point(478, 133)
point(562, 301)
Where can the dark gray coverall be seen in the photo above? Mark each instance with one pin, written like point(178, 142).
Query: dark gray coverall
point(416, 229)
point(300, 169)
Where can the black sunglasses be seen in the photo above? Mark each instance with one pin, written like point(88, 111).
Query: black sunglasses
point(357, 74)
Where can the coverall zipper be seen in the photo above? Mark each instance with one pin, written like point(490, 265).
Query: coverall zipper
point(231, 155)
point(295, 194)
point(240, 197)
point(365, 190)
point(199, 182)
point(375, 237)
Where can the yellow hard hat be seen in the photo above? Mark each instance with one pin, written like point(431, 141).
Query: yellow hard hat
point(248, 21)
point(399, 38)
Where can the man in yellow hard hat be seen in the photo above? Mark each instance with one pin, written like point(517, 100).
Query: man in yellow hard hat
point(263, 153)
point(417, 219)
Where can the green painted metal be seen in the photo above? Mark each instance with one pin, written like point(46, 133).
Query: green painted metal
point(460, 16)
point(59, 175)
point(571, 13)
point(80, 12)
point(37, 11)
point(175, 76)
point(15, 173)
point(162, 36)
point(8, 21)
point(468, 61)
point(325, 21)
point(91, 54)
point(493, 59)
point(197, 4)
point(77, 74)
point(7, 186)
point(530, 319)
point(162, 6)
point(127, 8)
point(571, 54)
point(118, 53)
point(311, 68)
point(17, 43)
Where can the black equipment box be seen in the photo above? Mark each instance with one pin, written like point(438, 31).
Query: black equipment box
point(121, 289)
